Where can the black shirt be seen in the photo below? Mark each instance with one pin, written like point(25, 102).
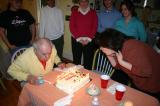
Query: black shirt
point(17, 25)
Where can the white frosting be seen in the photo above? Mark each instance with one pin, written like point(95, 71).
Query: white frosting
point(72, 80)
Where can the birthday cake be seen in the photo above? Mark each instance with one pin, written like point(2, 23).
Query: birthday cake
point(72, 80)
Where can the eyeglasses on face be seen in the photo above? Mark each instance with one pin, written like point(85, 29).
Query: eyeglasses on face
point(112, 54)
point(43, 54)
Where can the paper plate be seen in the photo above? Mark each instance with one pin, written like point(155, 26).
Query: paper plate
point(93, 92)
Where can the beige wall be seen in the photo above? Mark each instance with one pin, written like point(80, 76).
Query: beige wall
point(3, 4)
point(65, 5)
point(31, 5)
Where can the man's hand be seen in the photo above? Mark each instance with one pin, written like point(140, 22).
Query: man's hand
point(61, 65)
point(32, 79)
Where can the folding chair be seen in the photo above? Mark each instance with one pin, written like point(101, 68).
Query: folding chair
point(101, 64)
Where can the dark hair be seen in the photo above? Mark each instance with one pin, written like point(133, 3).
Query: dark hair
point(81, 1)
point(113, 3)
point(129, 6)
point(112, 39)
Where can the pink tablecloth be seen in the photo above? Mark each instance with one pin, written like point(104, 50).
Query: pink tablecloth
point(46, 94)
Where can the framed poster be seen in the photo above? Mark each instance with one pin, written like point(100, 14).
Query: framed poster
point(138, 3)
point(75, 1)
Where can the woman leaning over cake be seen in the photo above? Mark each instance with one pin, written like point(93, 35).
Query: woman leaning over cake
point(137, 59)
point(129, 24)
point(83, 26)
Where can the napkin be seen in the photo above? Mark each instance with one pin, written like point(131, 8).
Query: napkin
point(112, 88)
point(64, 101)
point(66, 69)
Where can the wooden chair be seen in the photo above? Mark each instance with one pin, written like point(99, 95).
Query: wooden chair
point(101, 64)
point(2, 84)
point(4, 63)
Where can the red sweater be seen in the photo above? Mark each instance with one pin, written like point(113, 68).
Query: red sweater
point(145, 61)
point(83, 25)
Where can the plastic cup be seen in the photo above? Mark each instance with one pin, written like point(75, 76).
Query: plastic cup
point(104, 81)
point(120, 90)
point(40, 80)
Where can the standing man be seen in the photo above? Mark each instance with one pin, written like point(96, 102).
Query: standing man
point(17, 26)
point(108, 17)
point(52, 25)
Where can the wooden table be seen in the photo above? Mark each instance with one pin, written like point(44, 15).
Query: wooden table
point(46, 94)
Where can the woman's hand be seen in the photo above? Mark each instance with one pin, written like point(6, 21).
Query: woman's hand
point(122, 62)
point(119, 57)
point(84, 42)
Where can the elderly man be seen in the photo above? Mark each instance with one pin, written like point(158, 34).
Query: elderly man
point(35, 61)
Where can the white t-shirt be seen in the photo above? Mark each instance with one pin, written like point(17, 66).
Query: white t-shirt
point(51, 23)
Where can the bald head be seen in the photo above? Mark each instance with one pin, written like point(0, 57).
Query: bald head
point(42, 43)
point(43, 48)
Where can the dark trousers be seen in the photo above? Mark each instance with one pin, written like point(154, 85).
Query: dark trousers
point(121, 77)
point(78, 49)
point(59, 43)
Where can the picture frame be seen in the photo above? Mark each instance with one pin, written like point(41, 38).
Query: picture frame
point(75, 1)
point(43, 3)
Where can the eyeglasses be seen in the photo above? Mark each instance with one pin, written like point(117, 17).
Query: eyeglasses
point(83, 1)
point(43, 54)
point(112, 54)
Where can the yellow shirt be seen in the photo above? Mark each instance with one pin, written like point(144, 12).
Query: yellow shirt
point(28, 64)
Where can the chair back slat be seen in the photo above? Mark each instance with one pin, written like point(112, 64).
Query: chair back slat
point(98, 62)
point(106, 67)
point(109, 69)
point(101, 63)
point(104, 64)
